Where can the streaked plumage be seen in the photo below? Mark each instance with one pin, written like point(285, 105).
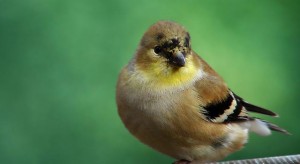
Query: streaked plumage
point(172, 100)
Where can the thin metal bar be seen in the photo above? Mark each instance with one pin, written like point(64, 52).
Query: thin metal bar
point(290, 159)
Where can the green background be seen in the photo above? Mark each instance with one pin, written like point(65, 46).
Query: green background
point(60, 60)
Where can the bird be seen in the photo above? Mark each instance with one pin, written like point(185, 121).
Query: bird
point(170, 99)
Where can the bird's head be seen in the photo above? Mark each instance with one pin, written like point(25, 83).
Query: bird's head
point(165, 52)
point(166, 41)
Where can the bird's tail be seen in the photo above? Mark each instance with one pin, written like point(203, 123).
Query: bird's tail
point(264, 128)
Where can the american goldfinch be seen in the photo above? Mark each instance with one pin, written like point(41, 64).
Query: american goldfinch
point(172, 100)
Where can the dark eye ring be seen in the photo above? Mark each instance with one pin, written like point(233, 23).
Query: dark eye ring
point(157, 49)
point(186, 42)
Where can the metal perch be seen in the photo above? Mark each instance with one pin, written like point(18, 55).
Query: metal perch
point(290, 159)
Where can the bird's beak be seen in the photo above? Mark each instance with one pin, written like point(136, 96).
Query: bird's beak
point(178, 59)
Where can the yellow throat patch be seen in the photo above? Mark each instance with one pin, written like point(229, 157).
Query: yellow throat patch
point(161, 75)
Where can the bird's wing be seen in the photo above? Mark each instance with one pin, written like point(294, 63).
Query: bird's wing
point(231, 109)
point(254, 108)
point(218, 104)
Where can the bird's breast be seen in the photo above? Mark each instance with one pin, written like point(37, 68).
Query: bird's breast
point(170, 121)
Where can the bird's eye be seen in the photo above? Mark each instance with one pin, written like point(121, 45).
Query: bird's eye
point(186, 42)
point(157, 49)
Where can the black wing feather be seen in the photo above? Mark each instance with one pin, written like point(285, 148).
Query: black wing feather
point(256, 109)
point(229, 110)
point(232, 109)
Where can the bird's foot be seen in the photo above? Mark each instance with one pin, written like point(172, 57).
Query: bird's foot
point(182, 161)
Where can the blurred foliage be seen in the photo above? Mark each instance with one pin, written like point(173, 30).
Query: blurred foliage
point(60, 61)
